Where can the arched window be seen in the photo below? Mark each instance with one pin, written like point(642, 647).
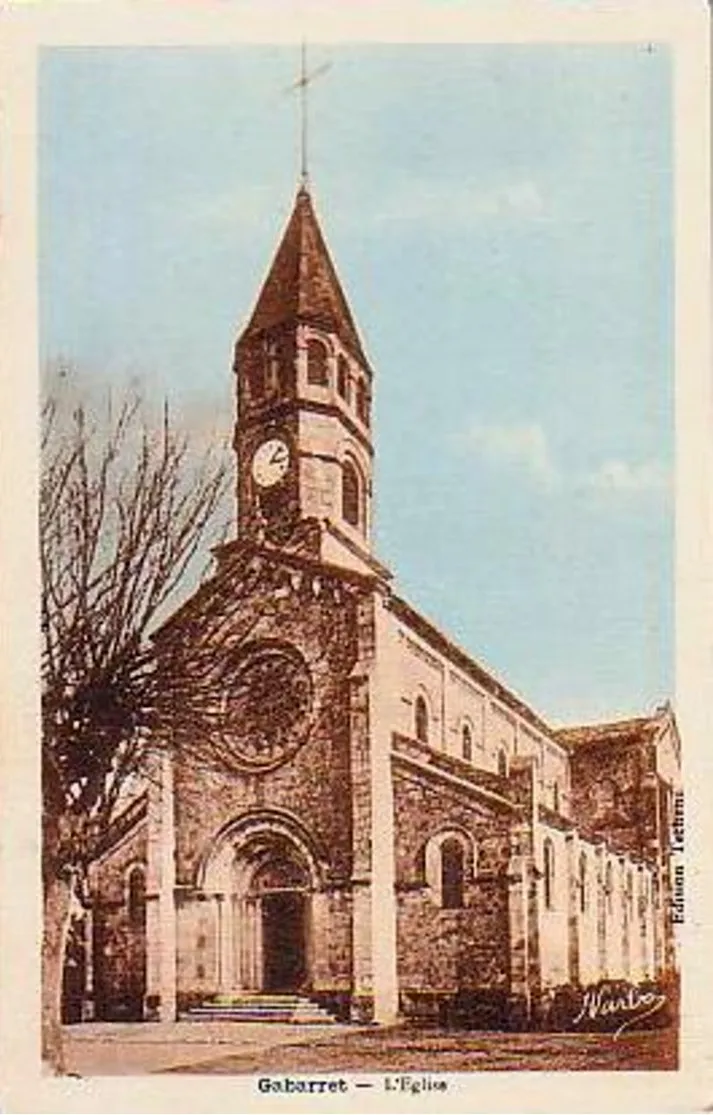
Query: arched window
point(452, 863)
point(272, 365)
point(609, 887)
point(502, 763)
point(343, 378)
point(604, 795)
point(549, 873)
point(583, 882)
point(136, 897)
point(317, 370)
point(362, 402)
point(467, 742)
point(421, 719)
point(255, 379)
point(351, 494)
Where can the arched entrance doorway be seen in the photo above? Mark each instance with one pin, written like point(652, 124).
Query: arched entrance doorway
point(263, 880)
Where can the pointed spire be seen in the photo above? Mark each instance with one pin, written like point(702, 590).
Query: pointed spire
point(302, 283)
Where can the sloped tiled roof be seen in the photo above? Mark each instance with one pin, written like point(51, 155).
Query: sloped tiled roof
point(302, 283)
point(641, 729)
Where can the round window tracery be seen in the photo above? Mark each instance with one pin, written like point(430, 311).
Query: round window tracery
point(267, 704)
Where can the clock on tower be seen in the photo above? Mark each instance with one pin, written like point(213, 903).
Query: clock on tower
point(271, 461)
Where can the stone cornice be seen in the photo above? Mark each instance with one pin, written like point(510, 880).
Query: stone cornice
point(432, 773)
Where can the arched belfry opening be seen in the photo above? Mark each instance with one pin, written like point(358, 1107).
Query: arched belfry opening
point(265, 881)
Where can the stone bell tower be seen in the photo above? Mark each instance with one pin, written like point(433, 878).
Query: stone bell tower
point(304, 385)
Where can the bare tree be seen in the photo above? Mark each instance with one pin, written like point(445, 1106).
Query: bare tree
point(125, 512)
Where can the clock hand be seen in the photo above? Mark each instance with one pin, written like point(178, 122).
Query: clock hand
point(278, 455)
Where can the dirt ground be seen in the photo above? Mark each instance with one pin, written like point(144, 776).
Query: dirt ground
point(206, 1048)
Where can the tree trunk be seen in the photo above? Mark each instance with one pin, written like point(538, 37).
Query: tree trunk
point(56, 913)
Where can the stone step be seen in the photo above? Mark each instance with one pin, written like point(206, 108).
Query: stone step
point(251, 998)
point(255, 1007)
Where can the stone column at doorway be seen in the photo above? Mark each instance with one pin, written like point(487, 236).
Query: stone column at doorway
point(246, 943)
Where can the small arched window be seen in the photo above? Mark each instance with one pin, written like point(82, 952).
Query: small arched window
point(343, 378)
point(452, 865)
point(604, 795)
point(255, 379)
point(136, 897)
point(556, 796)
point(467, 742)
point(643, 896)
point(272, 364)
point(502, 763)
point(629, 896)
point(609, 887)
point(317, 369)
point(351, 494)
point(362, 402)
point(421, 719)
point(549, 873)
point(583, 882)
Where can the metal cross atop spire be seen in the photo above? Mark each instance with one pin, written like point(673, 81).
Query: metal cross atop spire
point(305, 79)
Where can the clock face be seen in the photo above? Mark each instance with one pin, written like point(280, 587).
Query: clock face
point(271, 461)
point(267, 705)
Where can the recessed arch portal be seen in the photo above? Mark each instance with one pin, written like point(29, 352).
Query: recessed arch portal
point(263, 873)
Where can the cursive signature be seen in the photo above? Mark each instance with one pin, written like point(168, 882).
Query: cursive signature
point(610, 1002)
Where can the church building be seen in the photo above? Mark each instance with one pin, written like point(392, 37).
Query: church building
point(345, 814)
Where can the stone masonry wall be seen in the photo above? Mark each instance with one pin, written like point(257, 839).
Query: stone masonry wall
point(613, 796)
point(441, 950)
point(119, 946)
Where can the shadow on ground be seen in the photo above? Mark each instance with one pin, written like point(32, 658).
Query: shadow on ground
point(120, 1049)
point(406, 1051)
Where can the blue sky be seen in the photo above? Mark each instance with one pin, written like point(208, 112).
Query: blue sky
point(500, 219)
